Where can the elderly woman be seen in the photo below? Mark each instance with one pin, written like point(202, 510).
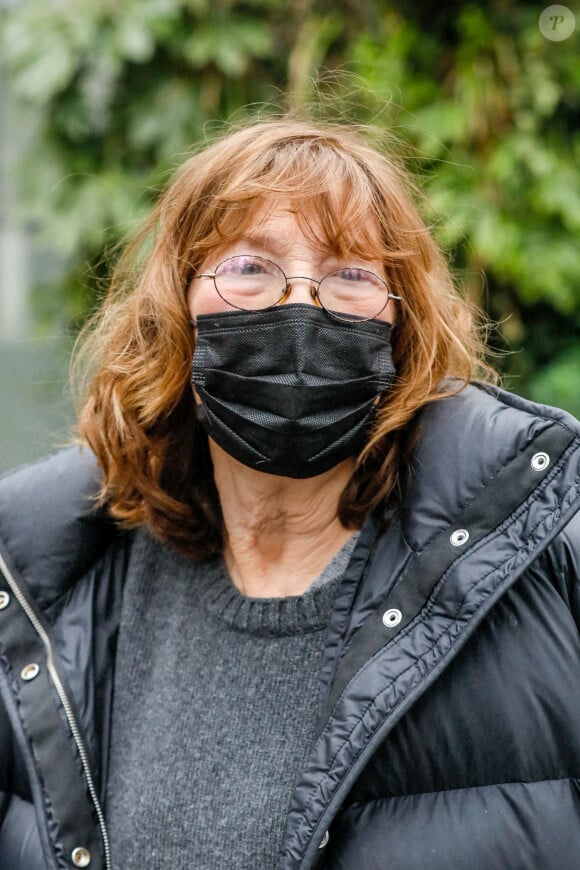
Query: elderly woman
point(308, 595)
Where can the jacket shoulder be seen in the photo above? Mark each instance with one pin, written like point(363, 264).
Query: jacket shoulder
point(502, 416)
point(50, 530)
point(466, 440)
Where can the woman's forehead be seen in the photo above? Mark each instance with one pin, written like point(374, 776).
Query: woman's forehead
point(277, 223)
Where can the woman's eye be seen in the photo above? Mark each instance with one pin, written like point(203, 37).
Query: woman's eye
point(351, 274)
point(243, 266)
point(250, 269)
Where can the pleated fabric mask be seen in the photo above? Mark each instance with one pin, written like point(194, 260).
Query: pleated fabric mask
point(289, 390)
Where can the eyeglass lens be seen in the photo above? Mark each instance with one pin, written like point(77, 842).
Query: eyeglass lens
point(253, 283)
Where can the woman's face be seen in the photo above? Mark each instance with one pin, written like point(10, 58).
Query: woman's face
point(278, 237)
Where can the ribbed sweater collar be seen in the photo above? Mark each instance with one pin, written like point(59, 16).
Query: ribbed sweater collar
point(267, 617)
point(271, 617)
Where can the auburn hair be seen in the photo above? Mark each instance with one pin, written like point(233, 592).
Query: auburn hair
point(135, 354)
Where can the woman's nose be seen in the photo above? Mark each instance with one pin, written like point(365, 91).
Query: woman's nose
point(300, 289)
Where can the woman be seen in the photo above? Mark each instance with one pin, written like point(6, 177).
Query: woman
point(311, 597)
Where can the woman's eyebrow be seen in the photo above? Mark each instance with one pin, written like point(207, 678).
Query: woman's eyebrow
point(265, 242)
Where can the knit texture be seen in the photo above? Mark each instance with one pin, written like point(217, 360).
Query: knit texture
point(216, 699)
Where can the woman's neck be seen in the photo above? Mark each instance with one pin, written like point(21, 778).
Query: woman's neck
point(280, 533)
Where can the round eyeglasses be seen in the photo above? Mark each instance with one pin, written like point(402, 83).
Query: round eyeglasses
point(253, 283)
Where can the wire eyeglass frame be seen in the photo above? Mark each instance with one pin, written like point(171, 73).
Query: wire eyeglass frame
point(286, 290)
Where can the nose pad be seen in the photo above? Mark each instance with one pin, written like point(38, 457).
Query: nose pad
point(313, 295)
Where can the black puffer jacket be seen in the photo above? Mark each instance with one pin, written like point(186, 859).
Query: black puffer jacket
point(450, 731)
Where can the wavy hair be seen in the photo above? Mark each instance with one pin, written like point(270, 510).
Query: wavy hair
point(134, 356)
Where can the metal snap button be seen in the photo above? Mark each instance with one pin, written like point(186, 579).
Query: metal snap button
point(4, 600)
point(459, 537)
point(29, 672)
point(324, 841)
point(392, 617)
point(81, 857)
point(540, 461)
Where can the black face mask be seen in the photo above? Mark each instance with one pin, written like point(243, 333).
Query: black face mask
point(289, 391)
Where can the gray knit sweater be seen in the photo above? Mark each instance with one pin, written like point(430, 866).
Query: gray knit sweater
point(216, 697)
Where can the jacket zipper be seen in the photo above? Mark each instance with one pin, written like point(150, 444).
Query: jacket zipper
point(70, 716)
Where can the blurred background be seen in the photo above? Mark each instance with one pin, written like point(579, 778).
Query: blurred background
point(100, 100)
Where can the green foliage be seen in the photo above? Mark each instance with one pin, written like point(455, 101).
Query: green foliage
point(493, 114)
point(486, 107)
point(558, 384)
